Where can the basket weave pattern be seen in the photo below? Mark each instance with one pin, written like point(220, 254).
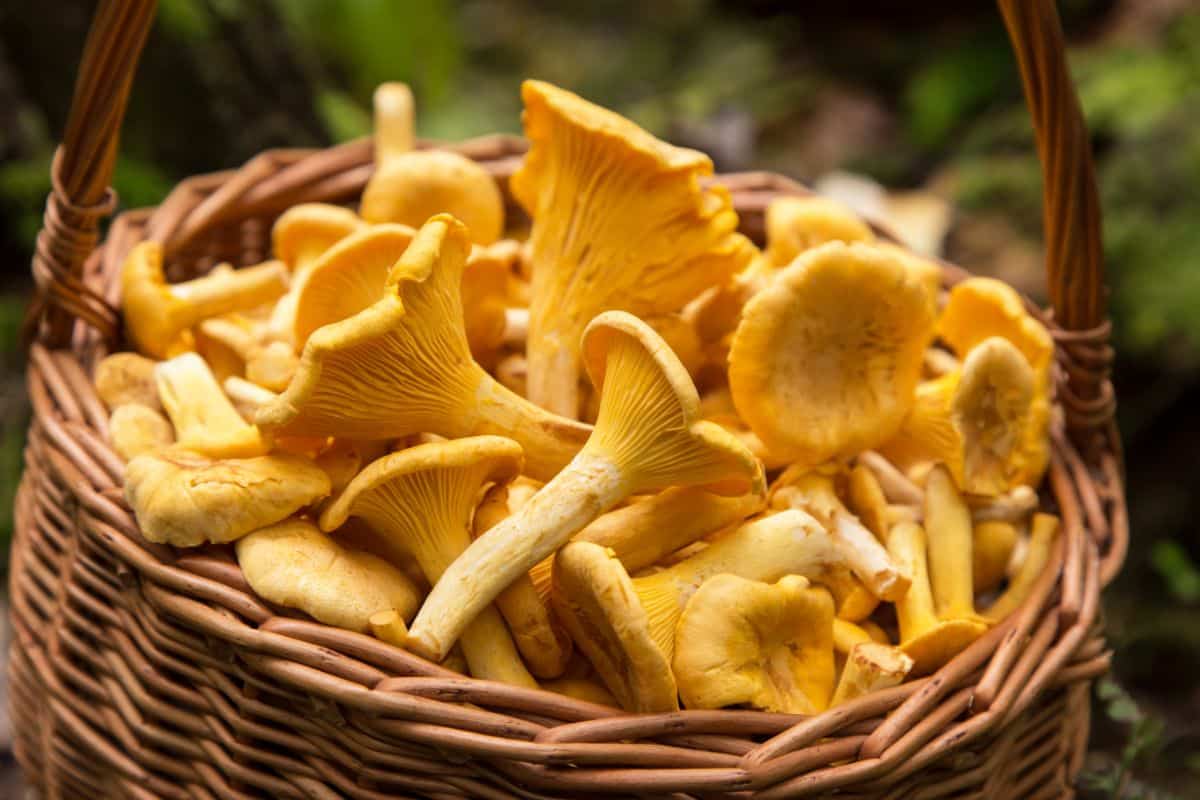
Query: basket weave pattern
point(143, 671)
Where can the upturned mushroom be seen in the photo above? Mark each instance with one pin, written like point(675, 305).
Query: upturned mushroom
point(1043, 532)
point(422, 499)
point(974, 419)
point(186, 499)
point(403, 366)
point(870, 667)
point(410, 186)
point(748, 643)
point(647, 437)
point(980, 308)
point(925, 638)
point(867, 558)
point(541, 638)
point(620, 221)
point(126, 378)
point(158, 315)
point(134, 429)
point(626, 626)
point(205, 420)
point(825, 360)
point(293, 564)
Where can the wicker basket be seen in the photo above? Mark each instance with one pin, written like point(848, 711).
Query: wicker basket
point(143, 671)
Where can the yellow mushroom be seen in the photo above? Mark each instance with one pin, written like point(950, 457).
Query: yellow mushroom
point(797, 224)
point(870, 667)
point(511, 373)
point(126, 378)
point(293, 564)
point(158, 314)
point(980, 308)
point(950, 540)
point(626, 626)
point(897, 486)
point(765, 646)
point(825, 360)
point(866, 557)
point(866, 500)
point(928, 640)
point(588, 689)
point(620, 221)
point(410, 186)
point(541, 638)
point(134, 429)
point(343, 459)
point(847, 634)
point(974, 420)
point(402, 366)
point(186, 499)
point(938, 362)
point(1043, 532)
point(993, 544)
point(422, 499)
point(647, 437)
point(270, 365)
point(247, 397)
point(1015, 505)
point(205, 420)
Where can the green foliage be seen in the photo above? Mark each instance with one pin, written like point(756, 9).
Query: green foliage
point(949, 89)
point(1143, 742)
point(1177, 569)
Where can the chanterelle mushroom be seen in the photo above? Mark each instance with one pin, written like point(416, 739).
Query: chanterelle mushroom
point(293, 564)
point(158, 314)
point(626, 626)
point(410, 186)
point(870, 667)
point(126, 378)
point(134, 429)
point(973, 419)
point(950, 541)
point(402, 366)
point(766, 646)
point(204, 418)
point(826, 359)
point(647, 437)
point(1043, 532)
point(185, 499)
point(620, 221)
point(980, 308)
point(422, 499)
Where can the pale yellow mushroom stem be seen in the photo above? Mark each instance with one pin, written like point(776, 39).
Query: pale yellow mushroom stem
point(949, 533)
point(896, 485)
point(870, 667)
point(1044, 531)
point(388, 626)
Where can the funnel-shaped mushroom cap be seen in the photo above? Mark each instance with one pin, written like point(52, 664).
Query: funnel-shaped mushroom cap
point(349, 277)
point(422, 498)
point(134, 429)
point(126, 378)
point(158, 314)
point(980, 308)
point(796, 224)
point(185, 499)
point(204, 418)
point(620, 221)
point(304, 232)
point(870, 667)
point(826, 359)
point(403, 366)
point(649, 420)
point(767, 646)
point(293, 564)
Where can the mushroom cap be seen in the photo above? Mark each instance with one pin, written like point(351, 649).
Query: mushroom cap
point(185, 499)
point(126, 378)
point(796, 224)
point(991, 410)
point(304, 232)
point(599, 607)
point(348, 277)
point(649, 420)
point(620, 221)
point(134, 429)
point(826, 359)
point(412, 187)
point(293, 564)
point(205, 420)
point(934, 647)
point(402, 481)
point(355, 376)
point(767, 646)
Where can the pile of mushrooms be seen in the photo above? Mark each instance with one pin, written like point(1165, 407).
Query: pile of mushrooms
point(618, 451)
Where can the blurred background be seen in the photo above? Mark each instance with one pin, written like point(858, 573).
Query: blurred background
point(922, 99)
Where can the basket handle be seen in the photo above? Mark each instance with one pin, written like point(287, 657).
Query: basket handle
point(83, 167)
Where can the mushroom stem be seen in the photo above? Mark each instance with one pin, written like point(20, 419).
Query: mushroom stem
point(1044, 530)
point(552, 375)
point(516, 325)
point(205, 420)
point(869, 668)
point(993, 545)
point(929, 641)
point(549, 441)
point(896, 485)
point(1012, 506)
point(646, 437)
point(239, 290)
point(949, 532)
point(388, 626)
point(393, 120)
